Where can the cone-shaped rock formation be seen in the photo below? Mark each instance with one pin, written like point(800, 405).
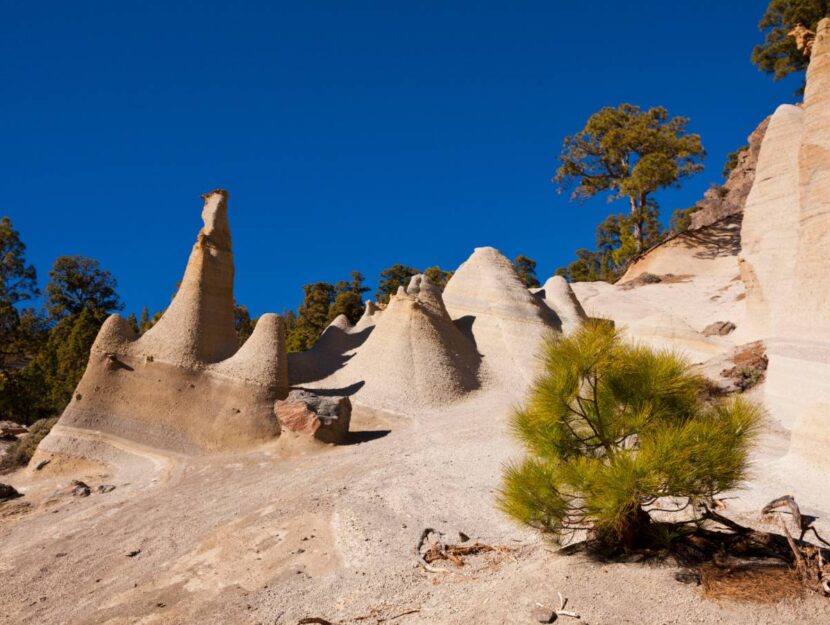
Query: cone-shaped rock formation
point(560, 298)
point(486, 298)
point(183, 386)
point(415, 356)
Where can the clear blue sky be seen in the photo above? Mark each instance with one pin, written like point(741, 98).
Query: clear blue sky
point(349, 138)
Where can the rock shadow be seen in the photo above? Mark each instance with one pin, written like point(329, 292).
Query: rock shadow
point(364, 436)
point(326, 356)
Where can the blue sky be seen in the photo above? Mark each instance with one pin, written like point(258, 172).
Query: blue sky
point(350, 135)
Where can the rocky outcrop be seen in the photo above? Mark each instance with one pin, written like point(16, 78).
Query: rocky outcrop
point(769, 233)
point(487, 299)
point(185, 385)
point(729, 199)
point(786, 265)
point(323, 418)
point(414, 358)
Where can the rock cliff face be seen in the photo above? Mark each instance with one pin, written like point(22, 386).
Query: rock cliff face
point(184, 385)
point(786, 263)
point(719, 203)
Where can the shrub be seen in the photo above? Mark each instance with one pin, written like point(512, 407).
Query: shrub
point(614, 431)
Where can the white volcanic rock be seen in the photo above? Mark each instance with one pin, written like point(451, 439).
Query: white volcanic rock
point(487, 299)
point(370, 317)
point(183, 386)
point(560, 298)
point(414, 358)
point(198, 327)
point(787, 266)
point(769, 234)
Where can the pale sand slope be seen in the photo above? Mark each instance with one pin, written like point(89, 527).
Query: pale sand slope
point(287, 532)
point(705, 288)
point(671, 314)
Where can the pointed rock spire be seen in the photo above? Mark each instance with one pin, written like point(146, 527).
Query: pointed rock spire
point(198, 327)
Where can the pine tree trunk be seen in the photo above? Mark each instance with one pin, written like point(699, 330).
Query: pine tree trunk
point(634, 527)
point(636, 213)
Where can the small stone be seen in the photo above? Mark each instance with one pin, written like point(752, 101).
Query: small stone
point(134, 553)
point(543, 615)
point(105, 488)
point(42, 464)
point(719, 328)
point(80, 489)
point(687, 576)
point(8, 492)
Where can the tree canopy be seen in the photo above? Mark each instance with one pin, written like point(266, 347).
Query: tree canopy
point(629, 153)
point(18, 282)
point(78, 283)
point(614, 431)
point(778, 55)
point(526, 268)
point(390, 279)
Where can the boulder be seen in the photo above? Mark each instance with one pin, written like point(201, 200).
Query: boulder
point(325, 418)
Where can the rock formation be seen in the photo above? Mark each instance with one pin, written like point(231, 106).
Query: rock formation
point(333, 349)
point(323, 418)
point(769, 232)
point(560, 298)
point(729, 199)
point(415, 356)
point(184, 385)
point(487, 299)
point(786, 265)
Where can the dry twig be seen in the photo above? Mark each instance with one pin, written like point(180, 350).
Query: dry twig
point(562, 611)
point(426, 565)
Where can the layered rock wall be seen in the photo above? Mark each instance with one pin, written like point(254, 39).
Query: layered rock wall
point(786, 261)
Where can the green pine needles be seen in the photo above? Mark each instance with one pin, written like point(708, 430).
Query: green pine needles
point(615, 431)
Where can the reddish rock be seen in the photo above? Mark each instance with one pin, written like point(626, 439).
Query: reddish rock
point(9, 430)
point(325, 418)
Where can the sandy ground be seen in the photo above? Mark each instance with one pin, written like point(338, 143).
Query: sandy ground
point(292, 531)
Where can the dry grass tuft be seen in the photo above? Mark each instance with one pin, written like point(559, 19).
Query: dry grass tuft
point(755, 585)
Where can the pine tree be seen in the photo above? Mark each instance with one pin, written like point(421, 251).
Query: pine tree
point(144, 320)
point(133, 322)
point(526, 268)
point(18, 283)
point(438, 276)
point(614, 431)
point(78, 283)
point(391, 279)
point(779, 55)
point(631, 154)
point(242, 322)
